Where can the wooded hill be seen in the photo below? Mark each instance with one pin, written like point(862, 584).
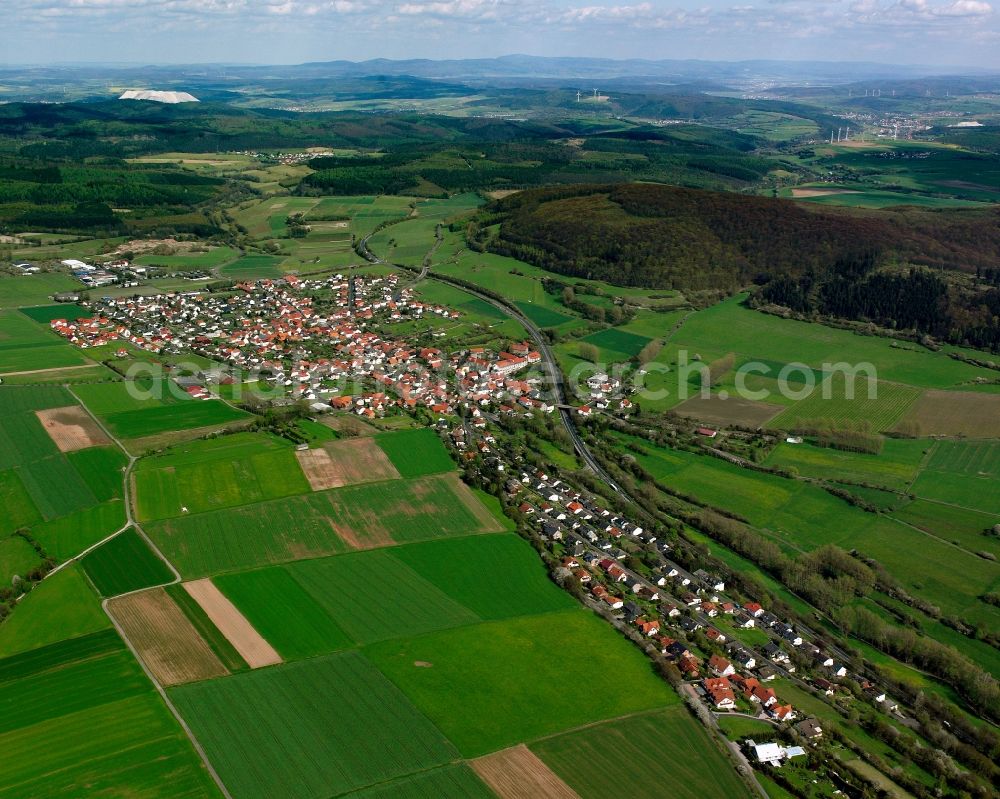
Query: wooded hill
point(831, 261)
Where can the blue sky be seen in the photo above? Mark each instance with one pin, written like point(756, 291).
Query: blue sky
point(939, 32)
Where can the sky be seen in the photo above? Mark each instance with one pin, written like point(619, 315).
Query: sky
point(933, 32)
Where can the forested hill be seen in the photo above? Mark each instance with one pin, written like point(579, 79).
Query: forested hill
point(838, 262)
point(660, 236)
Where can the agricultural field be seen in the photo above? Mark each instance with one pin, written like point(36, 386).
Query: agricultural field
point(284, 613)
point(252, 267)
point(164, 638)
point(27, 346)
point(639, 755)
point(517, 772)
point(616, 345)
point(345, 462)
point(832, 402)
point(954, 413)
point(446, 782)
point(82, 719)
point(217, 473)
point(415, 453)
point(963, 473)
point(68, 536)
point(499, 576)
point(233, 625)
point(317, 728)
point(125, 564)
point(352, 590)
point(321, 523)
point(453, 677)
point(37, 289)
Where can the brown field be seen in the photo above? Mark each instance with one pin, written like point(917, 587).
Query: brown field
point(348, 425)
point(231, 623)
point(816, 192)
point(732, 410)
point(345, 462)
point(72, 428)
point(516, 773)
point(165, 640)
point(953, 413)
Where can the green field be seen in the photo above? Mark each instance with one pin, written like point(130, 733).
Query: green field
point(252, 267)
point(125, 564)
point(168, 418)
point(546, 661)
point(354, 589)
point(101, 469)
point(314, 525)
point(882, 409)
point(447, 782)
point(317, 728)
point(62, 606)
point(963, 526)
point(43, 314)
point(640, 756)
point(70, 535)
point(34, 289)
point(542, 316)
point(81, 719)
point(19, 509)
point(204, 475)
point(963, 473)
point(284, 613)
point(190, 260)
point(17, 557)
point(737, 728)
point(732, 327)
point(26, 346)
point(894, 467)
point(617, 345)
point(495, 576)
point(415, 453)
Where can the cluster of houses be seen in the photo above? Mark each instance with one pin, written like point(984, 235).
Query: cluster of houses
point(672, 605)
point(324, 351)
point(602, 393)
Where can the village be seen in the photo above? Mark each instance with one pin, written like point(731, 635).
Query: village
point(315, 339)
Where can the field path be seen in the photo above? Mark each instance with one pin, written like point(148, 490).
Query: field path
point(231, 623)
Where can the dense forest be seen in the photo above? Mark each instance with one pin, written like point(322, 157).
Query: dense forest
point(844, 263)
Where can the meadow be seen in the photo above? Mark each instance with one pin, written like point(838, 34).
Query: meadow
point(320, 523)
point(19, 290)
point(211, 258)
point(640, 755)
point(62, 606)
point(206, 475)
point(482, 707)
point(125, 564)
point(616, 344)
point(732, 327)
point(17, 557)
point(313, 729)
point(963, 473)
point(283, 612)
point(416, 453)
point(895, 466)
point(252, 267)
point(43, 314)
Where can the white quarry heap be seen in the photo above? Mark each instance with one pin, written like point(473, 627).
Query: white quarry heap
point(158, 96)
